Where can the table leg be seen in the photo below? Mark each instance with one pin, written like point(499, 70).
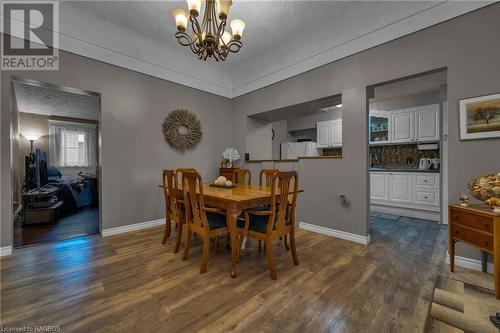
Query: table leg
point(232, 215)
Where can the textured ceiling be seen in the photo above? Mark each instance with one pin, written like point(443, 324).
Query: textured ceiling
point(282, 38)
point(53, 102)
point(268, 23)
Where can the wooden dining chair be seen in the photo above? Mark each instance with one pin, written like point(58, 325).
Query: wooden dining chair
point(240, 175)
point(202, 220)
point(268, 175)
point(278, 221)
point(173, 207)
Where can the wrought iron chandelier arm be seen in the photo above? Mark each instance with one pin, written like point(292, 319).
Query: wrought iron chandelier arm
point(234, 46)
point(185, 40)
point(195, 26)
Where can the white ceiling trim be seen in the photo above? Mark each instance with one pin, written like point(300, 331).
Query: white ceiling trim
point(441, 12)
point(117, 58)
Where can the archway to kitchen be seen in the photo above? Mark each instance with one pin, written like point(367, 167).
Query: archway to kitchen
point(407, 145)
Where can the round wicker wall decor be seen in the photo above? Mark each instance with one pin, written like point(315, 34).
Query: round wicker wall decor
point(182, 129)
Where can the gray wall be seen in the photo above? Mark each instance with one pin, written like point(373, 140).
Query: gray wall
point(468, 46)
point(280, 135)
point(407, 101)
point(307, 122)
point(134, 151)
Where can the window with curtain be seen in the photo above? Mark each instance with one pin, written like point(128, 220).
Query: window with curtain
point(72, 144)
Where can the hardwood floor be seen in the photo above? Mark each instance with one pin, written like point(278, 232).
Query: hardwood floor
point(132, 283)
point(83, 223)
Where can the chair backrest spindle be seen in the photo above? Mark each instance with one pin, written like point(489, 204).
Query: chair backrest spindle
point(239, 176)
point(192, 188)
point(268, 174)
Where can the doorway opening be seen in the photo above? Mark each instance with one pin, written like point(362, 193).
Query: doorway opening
point(407, 134)
point(56, 163)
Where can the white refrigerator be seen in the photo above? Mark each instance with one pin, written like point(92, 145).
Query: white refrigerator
point(293, 150)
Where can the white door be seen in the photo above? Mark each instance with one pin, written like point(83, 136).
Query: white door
point(403, 127)
point(379, 186)
point(322, 131)
point(336, 133)
point(427, 125)
point(400, 187)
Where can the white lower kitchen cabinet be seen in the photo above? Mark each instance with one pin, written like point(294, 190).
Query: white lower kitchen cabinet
point(400, 189)
point(379, 186)
point(414, 190)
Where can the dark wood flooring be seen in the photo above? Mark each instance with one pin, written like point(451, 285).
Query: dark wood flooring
point(132, 283)
point(83, 223)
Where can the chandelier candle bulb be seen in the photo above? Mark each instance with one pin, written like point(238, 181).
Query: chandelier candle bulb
point(181, 19)
point(225, 39)
point(223, 7)
point(194, 7)
point(237, 26)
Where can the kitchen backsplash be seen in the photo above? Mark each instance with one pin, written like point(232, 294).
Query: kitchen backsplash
point(400, 155)
point(332, 152)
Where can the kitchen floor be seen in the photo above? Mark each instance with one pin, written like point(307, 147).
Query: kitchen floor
point(401, 221)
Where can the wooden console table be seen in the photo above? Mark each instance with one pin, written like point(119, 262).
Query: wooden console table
point(479, 227)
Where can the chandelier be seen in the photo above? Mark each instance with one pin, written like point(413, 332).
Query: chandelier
point(210, 38)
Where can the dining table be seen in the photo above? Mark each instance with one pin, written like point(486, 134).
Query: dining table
point(233, 200)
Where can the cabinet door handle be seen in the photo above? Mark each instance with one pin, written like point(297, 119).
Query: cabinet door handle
point(425, 181)
point(426, 198)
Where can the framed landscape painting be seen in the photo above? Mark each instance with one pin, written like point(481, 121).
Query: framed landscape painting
point(480, 117)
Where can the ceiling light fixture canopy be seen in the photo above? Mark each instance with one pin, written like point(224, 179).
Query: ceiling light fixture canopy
point(210, 38)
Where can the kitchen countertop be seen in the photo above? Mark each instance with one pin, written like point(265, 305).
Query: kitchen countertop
point(401, 169)
point(296, 160)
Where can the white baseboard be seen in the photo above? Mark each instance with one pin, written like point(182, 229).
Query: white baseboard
point(473, 264)
point(132, 227)
point(365, 240)
point(408, 212)
point(5, 251)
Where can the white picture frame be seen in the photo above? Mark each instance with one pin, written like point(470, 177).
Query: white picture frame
point(480, 126)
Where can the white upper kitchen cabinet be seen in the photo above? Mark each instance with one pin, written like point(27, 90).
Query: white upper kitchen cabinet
point(403, 126)
point(323, 133)
point(427, 124)
point(400, 187)
point(336, 133)
point(329, 133)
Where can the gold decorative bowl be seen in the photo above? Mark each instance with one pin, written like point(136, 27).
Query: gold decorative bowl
point(484, 187)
